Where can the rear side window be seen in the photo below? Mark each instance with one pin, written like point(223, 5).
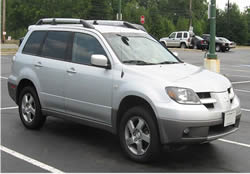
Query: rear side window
point(185, 35)
point(179, 35)
point(55, 44)
point(34, 42)
point(84, 46)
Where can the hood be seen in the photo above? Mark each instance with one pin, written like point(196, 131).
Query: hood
point(183, 75)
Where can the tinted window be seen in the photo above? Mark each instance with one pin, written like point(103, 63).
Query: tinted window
point(84, 46)
point(55, 44)
point(185, 35)
point(33, 44)
point(179, 35)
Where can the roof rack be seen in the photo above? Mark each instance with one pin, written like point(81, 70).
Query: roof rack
point(55, 21)
point(117, 23)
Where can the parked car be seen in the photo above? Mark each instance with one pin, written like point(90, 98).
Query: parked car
point(220, 45)
point(231, 43)
point(199, 43)
point(120, 79)
point(181, 39)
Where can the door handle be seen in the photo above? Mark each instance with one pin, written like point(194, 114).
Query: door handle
point(71, 70)
point(38, 64)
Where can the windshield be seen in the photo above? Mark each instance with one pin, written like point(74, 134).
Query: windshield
point(140, 49)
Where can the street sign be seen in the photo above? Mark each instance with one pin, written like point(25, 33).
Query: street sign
point(142, 19)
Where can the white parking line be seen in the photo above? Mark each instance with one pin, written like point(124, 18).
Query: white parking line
point(241, 90)
point(5, 78)
point(241, 82)
point(30, 160)
point(234, 142)
point(236, 76)
point(8, 108)
point(247, 110)
point(234, 70)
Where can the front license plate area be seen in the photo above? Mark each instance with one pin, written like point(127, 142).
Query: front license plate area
point(229, 118)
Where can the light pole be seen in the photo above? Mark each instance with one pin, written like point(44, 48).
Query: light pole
point(119, 10)
point(212, 62)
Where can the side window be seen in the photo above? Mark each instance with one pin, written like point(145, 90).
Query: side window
point(33, 44)
point(179, 35)
point(84, 46)
point(55, 44)
point(172, 35)
point(185, 35)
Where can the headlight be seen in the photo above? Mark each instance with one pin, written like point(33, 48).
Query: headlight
point(183, 95)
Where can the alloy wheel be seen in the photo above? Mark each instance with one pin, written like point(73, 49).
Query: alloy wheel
point(28, 108)
point(137, 135)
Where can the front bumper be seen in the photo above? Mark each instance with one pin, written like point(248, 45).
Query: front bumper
point(203, 124)
point(199, 131)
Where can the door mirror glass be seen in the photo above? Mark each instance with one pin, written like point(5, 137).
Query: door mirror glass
point(100, 61)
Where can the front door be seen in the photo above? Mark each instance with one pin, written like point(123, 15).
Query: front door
point(88, 91)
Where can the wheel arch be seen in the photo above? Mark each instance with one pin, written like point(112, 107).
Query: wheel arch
point(129, 102)
point(22, 84)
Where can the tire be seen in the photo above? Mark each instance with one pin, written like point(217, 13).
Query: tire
point(183, 45)
point(217, 48)
point(138, 130)
point(195, 47)
point(30, 109)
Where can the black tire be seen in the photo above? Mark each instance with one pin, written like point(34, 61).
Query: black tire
point(217, 48)
point(38, 119)
point(153, 147)
point(183, 45)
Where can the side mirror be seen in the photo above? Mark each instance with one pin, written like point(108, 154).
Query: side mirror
point(176, 54)
point(100, 61)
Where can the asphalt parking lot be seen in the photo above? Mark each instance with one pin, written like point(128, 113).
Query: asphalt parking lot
point(62, 146)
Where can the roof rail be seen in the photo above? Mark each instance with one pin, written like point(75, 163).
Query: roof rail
point(117, 23)
point(55, 21)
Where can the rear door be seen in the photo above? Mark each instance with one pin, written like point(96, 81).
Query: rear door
point(50, 69)
point(178, 39)
point(88, 89)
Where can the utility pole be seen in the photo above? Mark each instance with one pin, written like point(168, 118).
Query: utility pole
point(212, 62)
point(3, 33)
point(119, 10)
point(190, 13)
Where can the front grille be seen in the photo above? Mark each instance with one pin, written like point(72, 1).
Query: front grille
point(219, 129)
point(204, 95)
point(209, 106)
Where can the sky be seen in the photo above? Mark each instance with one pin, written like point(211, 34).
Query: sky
point(241, 3)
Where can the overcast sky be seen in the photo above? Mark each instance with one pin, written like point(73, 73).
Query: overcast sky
point(241, 3)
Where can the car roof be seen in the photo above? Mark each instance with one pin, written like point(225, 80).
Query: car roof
point(102, 26)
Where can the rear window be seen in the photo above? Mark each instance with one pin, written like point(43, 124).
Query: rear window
point(55, 44)
point(33, 44)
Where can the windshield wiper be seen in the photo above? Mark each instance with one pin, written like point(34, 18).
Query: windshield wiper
point(138, 62)
point(168, 62)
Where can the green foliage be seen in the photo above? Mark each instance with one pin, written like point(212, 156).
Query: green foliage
point(182, 24)
point(233, 25)
point(161, 16)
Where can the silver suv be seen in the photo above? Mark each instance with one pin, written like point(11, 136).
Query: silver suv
point(180, 39)
point(114, 76)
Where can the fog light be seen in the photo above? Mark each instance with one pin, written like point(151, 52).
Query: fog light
point(186, 131)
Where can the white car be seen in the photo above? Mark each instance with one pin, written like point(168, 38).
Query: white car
point(180, 39)
point(116, 77)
